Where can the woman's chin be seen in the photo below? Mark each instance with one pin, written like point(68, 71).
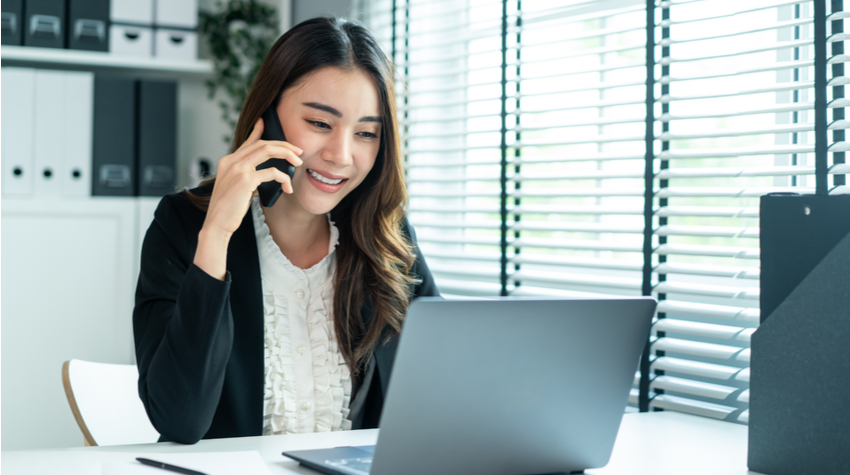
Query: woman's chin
point(316, 205)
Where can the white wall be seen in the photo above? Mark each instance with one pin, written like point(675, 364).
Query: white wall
point(306, 9)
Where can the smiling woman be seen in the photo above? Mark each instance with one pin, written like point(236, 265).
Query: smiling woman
point(332, 115)
point(255, 320)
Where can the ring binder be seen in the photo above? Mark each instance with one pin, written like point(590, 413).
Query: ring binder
point(88, 23)
point(45, 26)
point(11, 21)
point(89, 30)
point(44, 23)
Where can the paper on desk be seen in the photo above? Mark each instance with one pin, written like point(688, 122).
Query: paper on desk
point(211, 463)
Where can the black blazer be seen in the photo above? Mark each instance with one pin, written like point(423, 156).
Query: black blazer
point(199, 341)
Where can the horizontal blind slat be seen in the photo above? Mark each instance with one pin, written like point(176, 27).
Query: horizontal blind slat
point(696, 388)
point(706, 330)
point(708, 270)
point(706, 290)
point(694, 368)
point(707, 350)
point(691, 406)
point(709, 310)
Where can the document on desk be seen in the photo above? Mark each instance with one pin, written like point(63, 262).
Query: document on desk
point(210, 463)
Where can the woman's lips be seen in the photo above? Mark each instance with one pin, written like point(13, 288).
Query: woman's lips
point(322, 186)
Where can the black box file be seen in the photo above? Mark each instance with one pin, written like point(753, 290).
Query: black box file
point(12, 21)
point(88, 25)
point(157, 138)
point(44, 23)
point(114, 147)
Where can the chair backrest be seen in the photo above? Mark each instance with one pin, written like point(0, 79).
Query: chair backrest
point(105, 401)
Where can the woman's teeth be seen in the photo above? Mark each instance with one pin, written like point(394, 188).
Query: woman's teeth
point(323, 179)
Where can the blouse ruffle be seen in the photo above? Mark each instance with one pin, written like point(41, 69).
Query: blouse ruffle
point(331, 379)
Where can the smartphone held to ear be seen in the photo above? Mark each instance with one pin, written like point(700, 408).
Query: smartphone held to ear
point(270, 191)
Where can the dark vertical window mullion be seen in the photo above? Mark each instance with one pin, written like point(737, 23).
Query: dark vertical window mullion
point(648, 196)
point(664, 164)
point(406, 131)
point(838, 91)
point(503, 179)
point(821, 165)
point(518, 136)
point(393, 36)
point(795, 116)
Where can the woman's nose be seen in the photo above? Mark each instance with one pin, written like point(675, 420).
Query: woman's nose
point(338, 150)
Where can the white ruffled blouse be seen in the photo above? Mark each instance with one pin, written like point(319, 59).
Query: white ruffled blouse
point(307, 384)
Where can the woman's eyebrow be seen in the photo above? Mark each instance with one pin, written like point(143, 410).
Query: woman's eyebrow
point(331, 110)
point(323, 107)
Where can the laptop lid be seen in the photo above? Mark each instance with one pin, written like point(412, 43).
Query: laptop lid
point(510, 386)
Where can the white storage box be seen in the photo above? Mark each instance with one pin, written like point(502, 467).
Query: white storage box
point(176, 44)
point(177, 13)
point(130, 40)
point(137, 12)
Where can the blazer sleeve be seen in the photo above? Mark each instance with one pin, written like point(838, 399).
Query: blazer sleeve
point(183, 329)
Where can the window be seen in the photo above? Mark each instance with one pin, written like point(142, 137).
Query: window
point(526, 135)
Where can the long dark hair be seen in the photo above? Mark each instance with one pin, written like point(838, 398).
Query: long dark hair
point(373, 257)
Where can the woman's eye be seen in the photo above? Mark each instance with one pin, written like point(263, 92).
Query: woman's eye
point(320, 125)
point(368, 135)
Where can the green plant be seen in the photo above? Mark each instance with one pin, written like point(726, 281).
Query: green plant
point(240, 34)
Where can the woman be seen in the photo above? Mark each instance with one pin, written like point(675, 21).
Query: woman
point(253, 320)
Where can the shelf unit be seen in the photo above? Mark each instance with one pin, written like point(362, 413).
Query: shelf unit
point(85, 251)
point(28, 56)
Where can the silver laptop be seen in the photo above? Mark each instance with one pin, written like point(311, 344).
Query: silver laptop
point(508, 386)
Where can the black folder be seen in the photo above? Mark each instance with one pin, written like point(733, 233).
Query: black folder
point(44, 23)
point(800, 364)
point(11, 12)
point(114, 147)
point(157, 138)
point(88, 25)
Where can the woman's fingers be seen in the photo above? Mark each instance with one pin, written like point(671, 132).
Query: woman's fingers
point(251, 142)
point(262, 151)
point(273, 174)
point(255, 135)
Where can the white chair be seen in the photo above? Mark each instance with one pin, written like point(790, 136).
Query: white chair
point(105, 401)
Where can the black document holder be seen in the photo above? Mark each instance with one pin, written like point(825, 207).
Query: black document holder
point(88, 25)
point(12, 22)
point(157, 138)
point(114, 145)
point(800, 366)
point(44, 23)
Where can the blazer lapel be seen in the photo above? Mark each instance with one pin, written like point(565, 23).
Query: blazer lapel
point(246, 302)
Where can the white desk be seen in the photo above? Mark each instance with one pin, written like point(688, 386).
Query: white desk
point(660, 443)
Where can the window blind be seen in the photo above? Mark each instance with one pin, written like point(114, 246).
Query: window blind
point(733, 101)
point(539, 164)
point(553, 93)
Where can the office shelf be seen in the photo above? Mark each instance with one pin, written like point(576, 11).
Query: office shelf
point(28, 56)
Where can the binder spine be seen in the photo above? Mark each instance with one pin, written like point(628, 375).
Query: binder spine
point(18, 140)
point(49, 131)
point(79, 104)
point(12, 21)
point(44, 23)
point(157, 138)
point(114, 145)
point(88, 25)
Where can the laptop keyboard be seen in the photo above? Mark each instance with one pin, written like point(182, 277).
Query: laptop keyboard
point(352, 466)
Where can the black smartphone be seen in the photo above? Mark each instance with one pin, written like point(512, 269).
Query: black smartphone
point(270, 191)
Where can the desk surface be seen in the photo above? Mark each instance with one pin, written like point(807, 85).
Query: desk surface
point(659, 443)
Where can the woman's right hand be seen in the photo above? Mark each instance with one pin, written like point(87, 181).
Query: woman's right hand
point(236, 180)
